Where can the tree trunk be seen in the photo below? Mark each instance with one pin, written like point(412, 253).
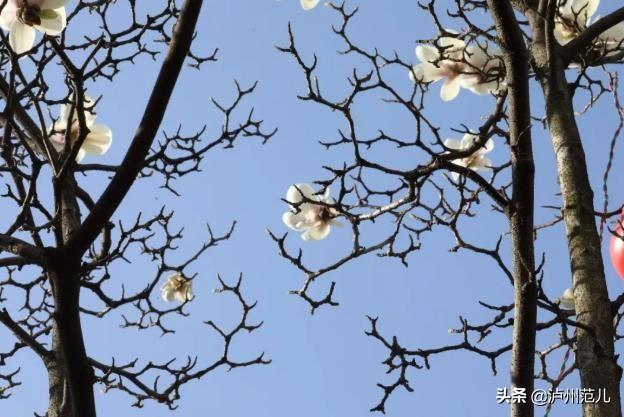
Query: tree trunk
point(515, 56)
point(59, 401)
point(77, 378)
point(595, 346)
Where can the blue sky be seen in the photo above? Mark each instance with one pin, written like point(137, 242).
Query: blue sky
point(322, 364)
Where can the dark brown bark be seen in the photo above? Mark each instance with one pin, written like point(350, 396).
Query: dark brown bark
point(595, 344)
point(69, 348)
point(516, 60)
point(59, 404)
point(595, 349)
point(70, 375)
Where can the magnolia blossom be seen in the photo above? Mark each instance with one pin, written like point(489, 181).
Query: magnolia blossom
point(481, 63)
point(613, 38)
point(98, 140)
point(314, 220)
point(309, 4)
point(575, 16)
point(435, 66)
point(177, 288)
point(459, 65)
point(477, 161)
point(22, 17)
point(567, 299)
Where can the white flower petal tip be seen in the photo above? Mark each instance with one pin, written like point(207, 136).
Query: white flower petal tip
point(21, 37)
point(99, 138)
point(477, 161)
point(309, 213)
point(309, 4)
point(567, 299)
point(21, 18)
point(177, 288)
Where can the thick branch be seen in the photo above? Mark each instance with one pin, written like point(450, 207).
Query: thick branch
point(146, 132)
point(24, 249)
point(516, 60)
point(590, 34)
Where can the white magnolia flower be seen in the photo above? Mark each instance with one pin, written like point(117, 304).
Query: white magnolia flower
point(567, 299)
point(98, 140)
point(480, 77)
point(177, 288)
point(22, 17)
point(612, 39)
point(447, 65)
point(477, 161)
point(313, 220)
point(576, 15)
point(309, 4)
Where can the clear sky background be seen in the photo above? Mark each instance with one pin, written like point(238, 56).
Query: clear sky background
point(323, 365)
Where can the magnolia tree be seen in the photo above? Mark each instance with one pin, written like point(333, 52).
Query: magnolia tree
point(514, 50)
point(61, 241)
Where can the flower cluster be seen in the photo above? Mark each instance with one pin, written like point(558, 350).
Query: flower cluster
point(310, 212)
point(177, 288)
point(98, 140)
point(574, 16)
point(22, 17)
point(477, 160)
point(472, 67)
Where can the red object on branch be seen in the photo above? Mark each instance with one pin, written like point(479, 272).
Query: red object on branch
point(616, 249)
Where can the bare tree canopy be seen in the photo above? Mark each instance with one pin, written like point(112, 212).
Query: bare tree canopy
point(82, 244)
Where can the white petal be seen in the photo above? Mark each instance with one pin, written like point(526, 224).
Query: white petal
point(468, 140)
point(60, 125)
point(453, 47)
point(567, 299)
point(476, 57)
point(566, 10)
point(53, 4)
point(592, 6)
point(309, 4)
point(58, 141)
point(317, 233)
point(615, 33)
point(480, 162)
point(180, 296)
point(561, 34)
point(167, 293)
point(326, 194)
point(21, 37)
point(295, 192)
point(189, 293)
point(427, 53)
point(98, 141)
point(54, 26)
point(64, 114)
point(450, 89)
point(489, 147)
point(453, 143)
point(80, 155)
point(482, 88)
point(336, 222)
point(294, 221)
point(8, 15)
point(427, 72)
point(416, 74)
